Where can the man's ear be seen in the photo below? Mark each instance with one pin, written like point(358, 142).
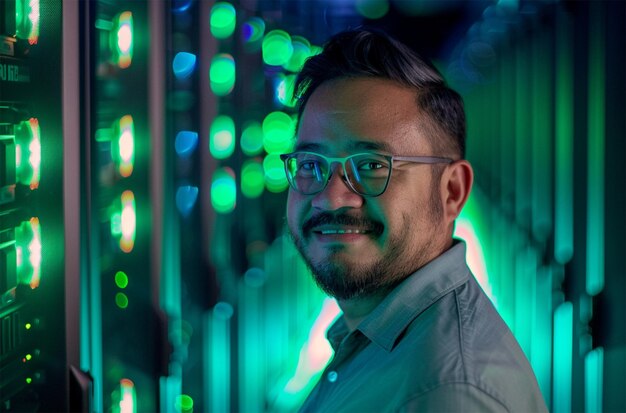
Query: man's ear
point(456, 184)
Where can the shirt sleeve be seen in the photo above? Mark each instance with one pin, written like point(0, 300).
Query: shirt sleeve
point(454, 397)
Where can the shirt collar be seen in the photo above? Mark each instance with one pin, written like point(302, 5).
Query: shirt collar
point(416, 293)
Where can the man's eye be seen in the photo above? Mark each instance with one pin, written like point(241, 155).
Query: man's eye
point(370, 165)
point(308, 166)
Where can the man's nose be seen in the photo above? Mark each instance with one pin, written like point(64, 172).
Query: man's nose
point(337, 193)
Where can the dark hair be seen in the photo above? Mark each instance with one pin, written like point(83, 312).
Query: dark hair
point(372, 53)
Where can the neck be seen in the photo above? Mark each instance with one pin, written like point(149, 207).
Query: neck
point(356, 309)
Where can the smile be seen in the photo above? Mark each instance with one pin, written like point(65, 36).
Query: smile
point(342, 231)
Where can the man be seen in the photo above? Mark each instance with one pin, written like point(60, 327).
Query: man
point(377, 179)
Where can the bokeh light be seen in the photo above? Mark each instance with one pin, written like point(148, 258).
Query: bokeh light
point(222, 74)
point(223, 20)
point(277, 48)
point(223, 190)
point(222, 137)
point(252, 139)
point(183, 64)
point(252, 178)
point(278, 130)
point(274, 170)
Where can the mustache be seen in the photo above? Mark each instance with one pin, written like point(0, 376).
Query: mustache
point(326, 218)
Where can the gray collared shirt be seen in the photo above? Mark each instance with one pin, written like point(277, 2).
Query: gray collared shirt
point(434, 344)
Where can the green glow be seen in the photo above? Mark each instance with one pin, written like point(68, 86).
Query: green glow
point(223, 190)
point(28, 326)
point(252, 179)
point(29, 380)
point(28, 152)
point(301, 51)
point(594, 371)
point(121, 39)
point(372, 9)
point(128, 397)
point(275, 179)
point(27, 18)
point(277, 48)
point(223, 20)
point(252, 139)
point(121, 279)
point(123, 145)
point(222, 137)
point(595, 153)
point(184, 403)
point(563, 336)
point(28, 252)
point(222, 74)
point(278, 130)
point(564, 168)
point(121, 300)
point(284, 90)
point(217, 365)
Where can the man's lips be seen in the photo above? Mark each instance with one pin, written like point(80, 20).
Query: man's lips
point(342, 225)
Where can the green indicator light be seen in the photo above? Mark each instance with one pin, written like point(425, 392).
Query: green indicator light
point(278, 129)
point(121, 39)
point(253, 30)
point(121, 300)
point(28, 252)
point(372, 9)
point(121, 279)
point(123, 145)
point(222, 137)
point(222, 74)
point(27, 17)
point(301, 51)
point(275, 179)
point(252, 179)
point(28, 152)
point(184, 403)
point(284, 90)
point(223, 190)
point(29, 380)
point(28, 326)
point(277, 48)
point(28, 357)
point(252, 139)
point(223, 19)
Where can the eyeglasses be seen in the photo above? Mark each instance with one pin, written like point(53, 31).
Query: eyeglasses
point(365, 173)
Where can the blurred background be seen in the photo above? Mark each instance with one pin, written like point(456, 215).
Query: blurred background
point(144, 264)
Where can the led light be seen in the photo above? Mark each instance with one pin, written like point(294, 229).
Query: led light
point(252, 139)
point(121, 300)
point(278, 129)
point(223, 190)
point(372, 9)
point(222, 137)
point(121, 39)
point(28, 252)
point(222, 74)
point(28, 326)
point(186, 197)
point(275, 179)
point(223, 19)
point(183, 65)
point(252, 179)
point(186, 142)
point(123, 145)
point(253, 30)
point(284, 90)
point(29, 380)
point(301, 51)
point(121, 279)
point(27, 17)
point(128, 396)
point(184, 403)
point(28, 152)
point(124, 221)
point(277, 48)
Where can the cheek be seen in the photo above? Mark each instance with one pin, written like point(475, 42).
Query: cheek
point(295, 208)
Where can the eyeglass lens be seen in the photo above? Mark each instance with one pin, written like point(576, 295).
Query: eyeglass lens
point(367, 174)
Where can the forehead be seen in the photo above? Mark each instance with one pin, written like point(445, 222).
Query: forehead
point(377, 114)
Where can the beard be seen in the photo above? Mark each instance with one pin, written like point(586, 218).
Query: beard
point(353, 280)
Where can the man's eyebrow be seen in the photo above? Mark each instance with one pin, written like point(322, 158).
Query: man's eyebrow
point(353, 146)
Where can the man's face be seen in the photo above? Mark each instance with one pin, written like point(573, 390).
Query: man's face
point(357, 245)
